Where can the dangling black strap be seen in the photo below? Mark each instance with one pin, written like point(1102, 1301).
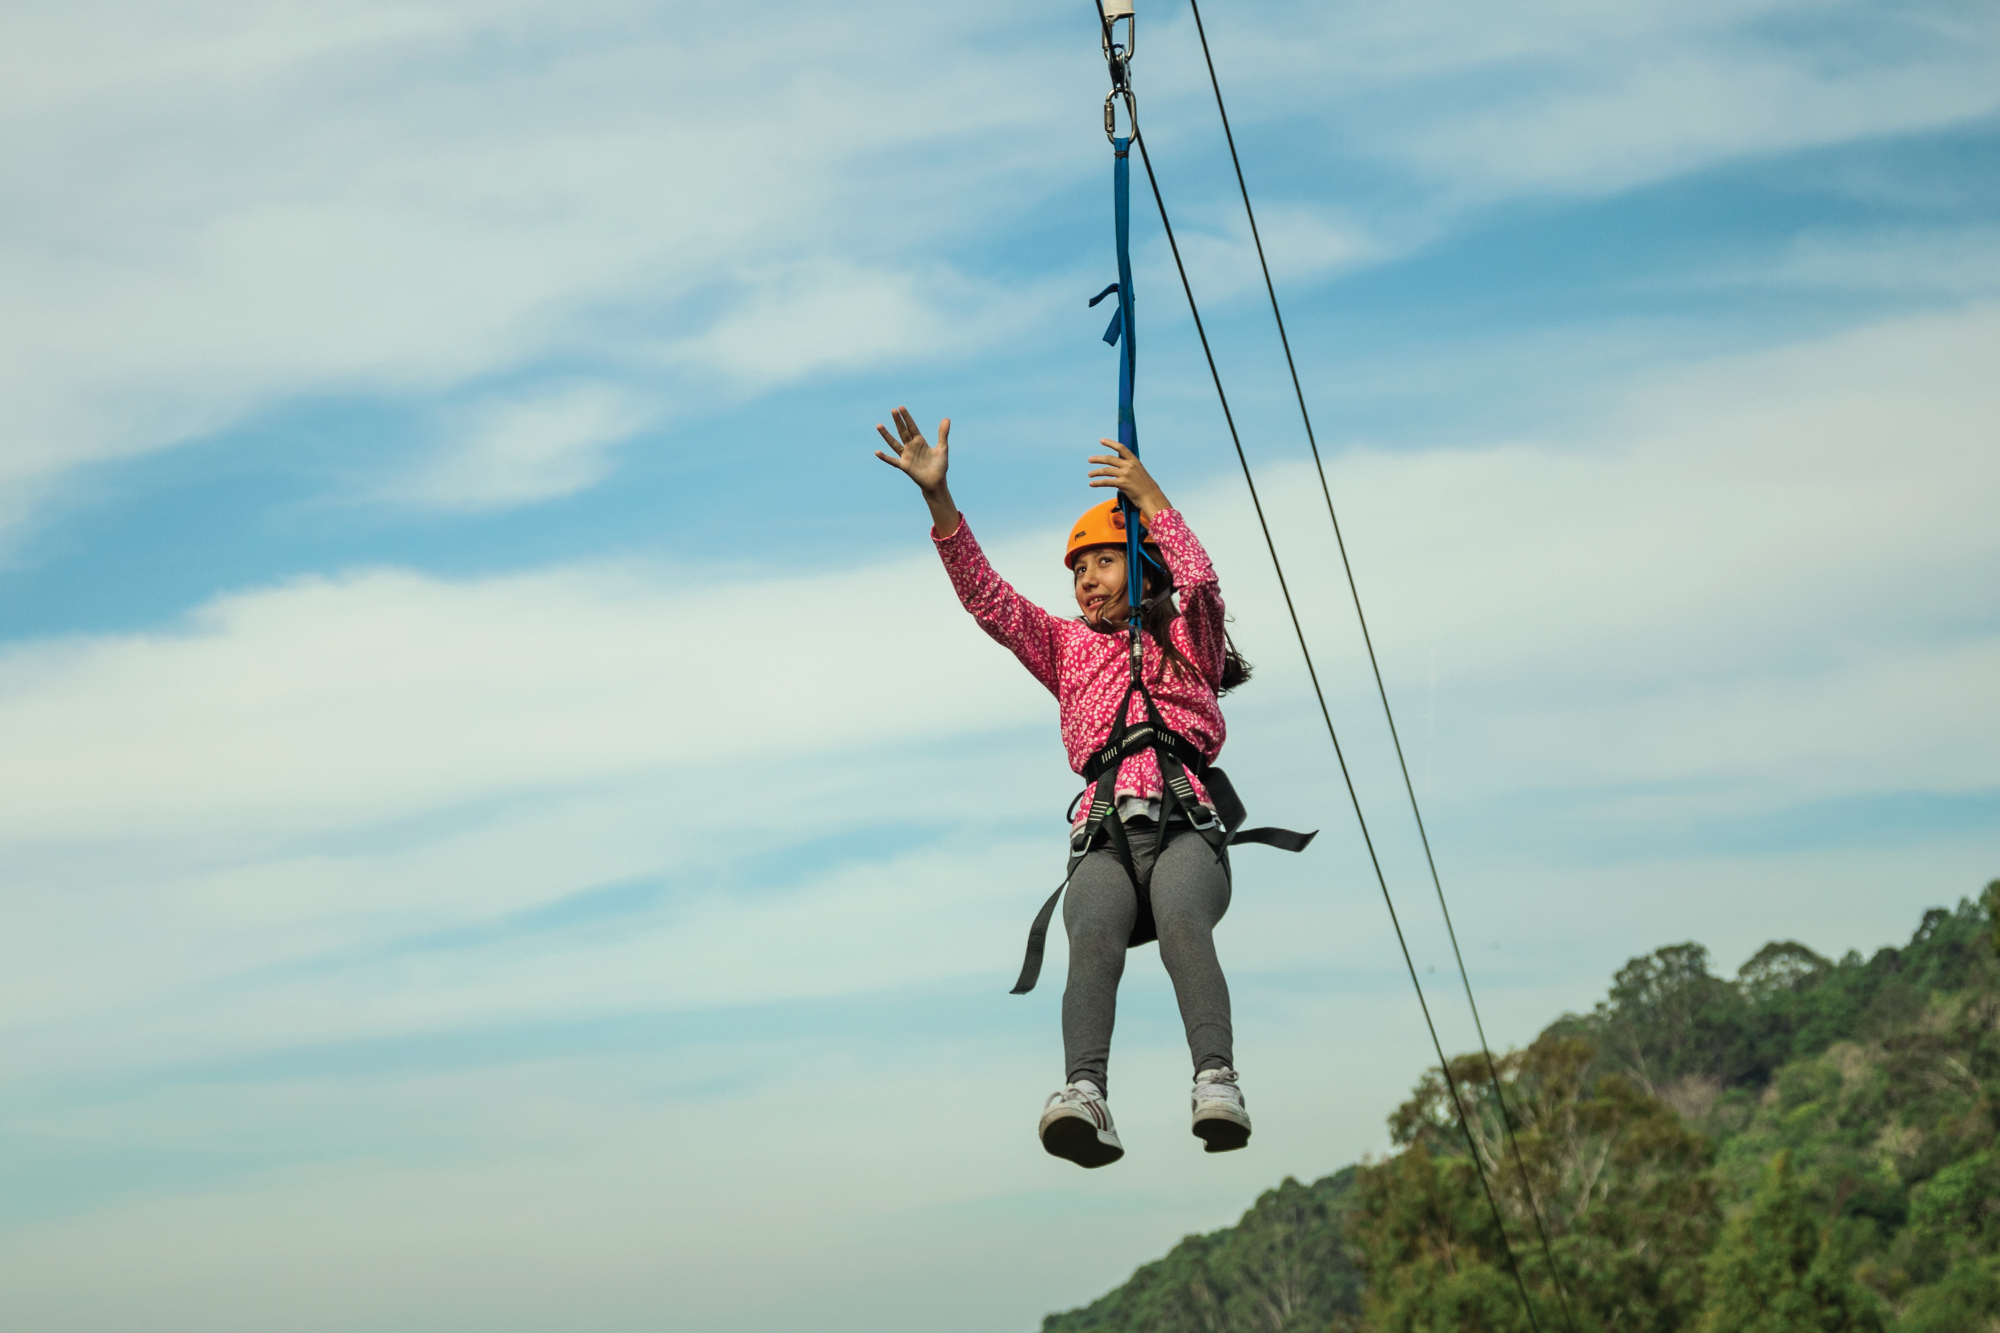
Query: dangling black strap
point(1229, 806)
point(1284, 839)
point(1094, 819)
point(1038, 937)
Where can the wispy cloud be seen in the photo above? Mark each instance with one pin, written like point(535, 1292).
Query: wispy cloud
point(361, 205)
point(1559, 96)
point(351, 761)
point(219, 210)
point(830, 315)
point(533, 447)
point(1947, 263)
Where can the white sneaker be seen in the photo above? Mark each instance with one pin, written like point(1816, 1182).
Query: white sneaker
point(1076, 1124)
point(1220, 1121)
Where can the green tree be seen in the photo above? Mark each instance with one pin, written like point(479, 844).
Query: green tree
point(1284, 1268)
point(1878, 1078)
point(1776, 1270)
point(1669, 1017)
point(1953, 1242)
point(1991, 898)
point(1610, 1174)
point(1966, 1301)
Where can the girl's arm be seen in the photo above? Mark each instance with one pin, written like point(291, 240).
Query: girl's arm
point(1194, 576)
point(1201, 595)
point(1030, 633)
point(1025, 629)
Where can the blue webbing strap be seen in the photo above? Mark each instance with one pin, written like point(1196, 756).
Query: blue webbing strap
point(1121, 179)
point(1119, 333)
point(1128, 363)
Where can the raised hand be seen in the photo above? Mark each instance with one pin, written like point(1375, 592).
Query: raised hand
point(1124, 470)
point(915, 458)
point(913, 455)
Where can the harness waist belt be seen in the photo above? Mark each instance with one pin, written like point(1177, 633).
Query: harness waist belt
point(1176, 755)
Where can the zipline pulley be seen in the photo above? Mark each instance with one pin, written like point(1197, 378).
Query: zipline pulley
point(1110, 11)
point(1118, 57)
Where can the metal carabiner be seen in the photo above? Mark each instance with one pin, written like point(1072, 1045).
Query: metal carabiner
point(1111, 113)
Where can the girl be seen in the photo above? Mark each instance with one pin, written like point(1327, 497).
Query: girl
point(1122, 889)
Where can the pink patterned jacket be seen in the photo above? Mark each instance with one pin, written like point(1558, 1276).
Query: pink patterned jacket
point(1089, 670)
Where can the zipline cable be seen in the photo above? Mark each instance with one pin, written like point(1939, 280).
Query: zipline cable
point(1492, 1068)
point(1326, 714)
point(1118, 59)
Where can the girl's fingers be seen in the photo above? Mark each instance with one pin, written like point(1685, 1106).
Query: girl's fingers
point(1123, 452)
point(944, 432)
point(890, 461)
point(887, 438)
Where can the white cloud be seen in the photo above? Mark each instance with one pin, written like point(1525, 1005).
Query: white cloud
point(217, 206)
point(1747, 584)
point(551, 443)
point(1303, 246)
point(334, 701)
point(832, 315)
point(1557, 95)
point(239, 785)
point(365, 201)
point(1663, 113)
point(1769, 566)
point(1954, 264)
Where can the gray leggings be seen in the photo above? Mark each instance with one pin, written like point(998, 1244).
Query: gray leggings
point(1189, 888)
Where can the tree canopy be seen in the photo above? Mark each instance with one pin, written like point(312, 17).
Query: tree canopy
point(1813, 1144)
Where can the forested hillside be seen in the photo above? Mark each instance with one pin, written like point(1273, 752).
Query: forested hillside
point(1814, 1144)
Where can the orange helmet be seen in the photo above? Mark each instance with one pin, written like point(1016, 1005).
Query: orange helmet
point(1100, 525)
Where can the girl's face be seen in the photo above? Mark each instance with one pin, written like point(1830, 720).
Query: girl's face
point(1100, 581)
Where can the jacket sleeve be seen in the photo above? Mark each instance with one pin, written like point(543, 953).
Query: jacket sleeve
point(1029, 632)
point(1200, 623)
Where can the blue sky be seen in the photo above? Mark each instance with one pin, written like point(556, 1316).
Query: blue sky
point(508, 828)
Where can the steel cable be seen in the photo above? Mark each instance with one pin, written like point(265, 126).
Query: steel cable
point(1444, 1065)
point(1492, 1068)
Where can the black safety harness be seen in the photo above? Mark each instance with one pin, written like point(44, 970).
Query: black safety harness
point(1220, 826)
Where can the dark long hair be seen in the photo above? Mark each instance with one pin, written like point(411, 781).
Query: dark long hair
point(1158, 613)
